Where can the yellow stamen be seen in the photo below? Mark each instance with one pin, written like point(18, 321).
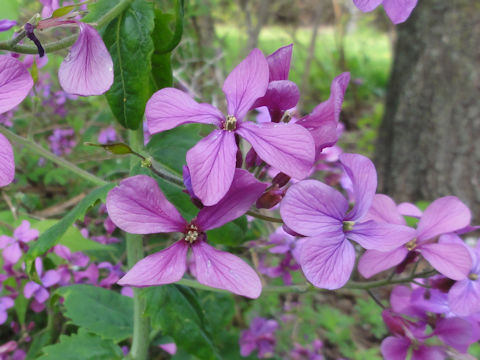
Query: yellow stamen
point(230, 123)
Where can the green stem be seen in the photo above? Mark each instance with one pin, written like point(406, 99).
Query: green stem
point(69, 40)
point(264, 217)
point(39, 150)
point(141, 327)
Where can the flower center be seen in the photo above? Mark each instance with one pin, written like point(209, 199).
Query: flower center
point(473, 276)
point(192, 234)
point(412, 244)
point(348, 225)
point(230, 123)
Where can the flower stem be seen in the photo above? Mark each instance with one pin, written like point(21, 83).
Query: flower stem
point(264, 217)
point(135, 252)
point(39, 150)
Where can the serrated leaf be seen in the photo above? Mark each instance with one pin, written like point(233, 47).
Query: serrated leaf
point(101, 311)
point(128, 39)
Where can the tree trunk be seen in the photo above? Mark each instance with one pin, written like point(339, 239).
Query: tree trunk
point(429, 141)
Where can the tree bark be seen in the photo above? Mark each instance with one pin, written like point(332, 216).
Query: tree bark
point(428, 143)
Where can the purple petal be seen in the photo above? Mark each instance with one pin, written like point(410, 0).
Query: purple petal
point(399, 10)
point(364, 181)
point(41, 295)
point(88, 68)
point(30, 289)
point(212, 165)
point(372, 262)
point(24, 233)
point(451, 260)
point(15, 83)
point(287, 147)
point(395, 348)
point(243, 192)
point(169, 108)
point(6, 303)
point(279, 63)
point(6, 24)
point(164, 267)
point(444, 215)
point(384, 209)
point(380, 236)
point(428, 353)
point(51, 278)
point(12, 253)
point(367, 5)
point(246, 83)
point(327, 261)
point(280, 95)
point(7, 163)
point(464, 297)
point(223, 270)
point(311, 207)
point(408, 209)
point(138, 206)
point(454, 332)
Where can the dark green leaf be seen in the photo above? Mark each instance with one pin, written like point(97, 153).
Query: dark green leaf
point(161, 61)
point(128, 39)
point(97, 9)
point(232, 233)
point(117, 148)
point(40, 340)
point(101, 311)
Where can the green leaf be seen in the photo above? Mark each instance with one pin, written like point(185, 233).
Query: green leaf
point(177, 312)
point(97, 9)
point(82, 346)
point(101, 311)
point(161, 61)
point(63, 11)
point(40, 340)
point(51, 237)
point(117, 148)
point(232, 233)
point(128, 39)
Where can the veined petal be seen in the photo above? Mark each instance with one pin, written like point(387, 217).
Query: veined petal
point(15, 83)
point(243, 192)
point(280, 95)
point(289, 148)
point(451, 260)
point(88, 68)
point(395, 348)
point(444, 215)
point(7, 163)
point(364, 181)
point(246, 83)
point(399, 10)
point(384, 209)
point(464, 297)
point(455, 332)
point(311, 207)
point(327, 260)
point(373, 262)
point(138, 206)
point(367, 5)
point(223, 270)
point(372, 235)
point(164, 267)
point(212, 165)
point(169, 108)
point(279, 63)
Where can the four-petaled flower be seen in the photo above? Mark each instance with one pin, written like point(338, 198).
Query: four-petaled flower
point(397, 10)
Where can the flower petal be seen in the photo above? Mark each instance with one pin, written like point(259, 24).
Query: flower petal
point(399, 10)
point(88, 68)
point(280, 95)
point(444, 215)
point(212, 165)
point(243, 192)
point(311, 207)
point(364, 181)
point(380, 236)
point(287, 147)
point(223, 270)
point(408, 209)
point(279, 63)
point(169, 108)
point(15, 83)
point(164, 267)
point(367, 5)
point(464, 297)
point(384, 209)
point(327, 260)
point(12, 253)
point(246, 83)
point(7, 163)
point(451, 260)
point(138, 206)
point(395, 348)
point(373, 262)
point(455, 332)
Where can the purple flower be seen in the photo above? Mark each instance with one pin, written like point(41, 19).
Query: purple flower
point(88, 276)
point(5, 303)
point(6, 24)
point(444, 215)
point(321, 213)
point(107, 135)
point(88, 68)
point(138, 206)
point(287, 147)
point(259, 337)
point(12, 246)
point(114, 274)
point(49, 6)
point(170, 348)
point(397, 11)
point(39, 291)
point(78, 259)
point(300, 352)
point(62, 141)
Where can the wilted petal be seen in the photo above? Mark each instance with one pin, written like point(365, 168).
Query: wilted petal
point(169, 108)
point(223, 270)
point(164, 267)
point(138, 206)
point(372, 235)
point(367, 5)
point(451, 260)
point(327, 261)
point(15, 83)
point(243, 192)
point(246, 83)
point(408, 209)
point(373, 262)
point(7, 163)
point(280, 95)
point(384, 209)
point(88, 68)
point(279, 63)
point(364, 181)
point(395, 348)
point(399, 10)
point(464, 297)
point(444, 215)
point(289, 148)
point(311, 207)
point(454, 332)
